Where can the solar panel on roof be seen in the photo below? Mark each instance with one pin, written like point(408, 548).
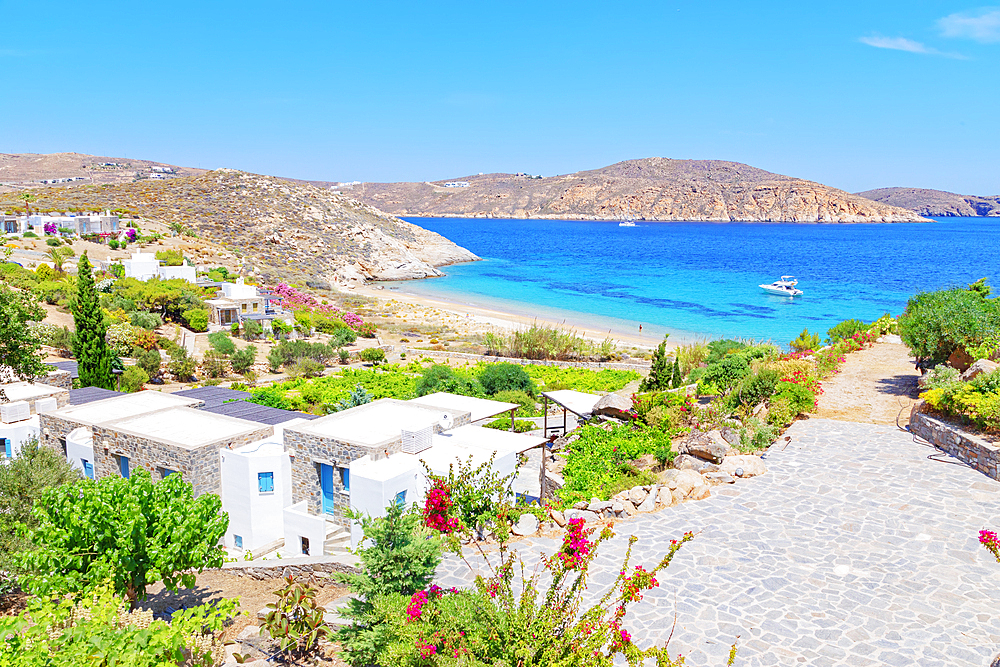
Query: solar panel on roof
point(213, 396)
point(262, 414)
point(90, 394)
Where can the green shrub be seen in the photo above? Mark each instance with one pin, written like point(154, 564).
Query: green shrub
point(752, 389)
point(528, 407)
point(272, 397)
point(372, 355)
point(146, 320)
point(215, 363)
point(781, 412)
point(726, 373)
point(275, 359)
point(305, 368)
point(343, 355)
point(505, 376)
point(660, 372)
point(580, 379)
point(197, 319)
point(343, 336)
point(935, 324)
point(719, 349)
point(520, 425)
point(252, 329)
point(598, 461)
point(220, 342)
point(443, 378)
point(133, 378)
point(181, 364)
point(801, 399)
point(170, 257)
point(755, 435)
point(806, 342)
point(55, 243)
point(30, 235)
point(664, 454)
point(149, 361)
point(845, 329)
point(242, 360)
point(663, 417)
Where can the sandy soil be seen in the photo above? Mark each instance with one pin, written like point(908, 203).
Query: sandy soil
point(874, 386)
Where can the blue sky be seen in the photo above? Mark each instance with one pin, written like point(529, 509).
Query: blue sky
point(853, 94)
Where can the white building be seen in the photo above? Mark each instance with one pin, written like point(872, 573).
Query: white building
point(144, 266)
point(256, 488)
point(19, 415)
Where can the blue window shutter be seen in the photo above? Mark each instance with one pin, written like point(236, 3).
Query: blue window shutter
point(238, 541)
point(123, 466)
point(401, 498)
point(88, 468)
point(345, 477)
point(265, 482)
point(7, 448)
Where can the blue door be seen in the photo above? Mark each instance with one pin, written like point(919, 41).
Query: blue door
point(326, 484)
point(88, 468)
point(7, 448)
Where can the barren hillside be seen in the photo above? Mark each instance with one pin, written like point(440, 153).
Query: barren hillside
point(648, 189)
point(28, 170)
point(285, 231)
point(936, 202)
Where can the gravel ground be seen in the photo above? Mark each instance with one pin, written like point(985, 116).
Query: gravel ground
point(874, 386)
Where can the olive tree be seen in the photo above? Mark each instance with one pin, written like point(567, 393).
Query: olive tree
point(133, 532)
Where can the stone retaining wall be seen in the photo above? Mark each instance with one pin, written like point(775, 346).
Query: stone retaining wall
point(296, 567)
point(971, 449)
point(593, 365)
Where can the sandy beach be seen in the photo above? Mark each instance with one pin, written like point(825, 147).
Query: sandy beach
point(471, 319)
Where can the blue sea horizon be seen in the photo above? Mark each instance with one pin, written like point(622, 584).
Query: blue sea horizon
point(700, 280)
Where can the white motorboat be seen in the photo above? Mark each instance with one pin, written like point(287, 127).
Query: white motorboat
point(627, 223)
point(783, 287)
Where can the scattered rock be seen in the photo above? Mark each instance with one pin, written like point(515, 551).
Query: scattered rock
point(961, 360)
point(645, 462)
point(980, 367)
point(580, 505)
point(558, 517)
point(628, 507)
point(678, 496)
point(730, 435)
point(667, 476)
point(649, 504)
point(598, 506)
point(615, 406)
point(665, 496)
point(526, 525)
point(700, 492)
point(708, 446)
point(586, 515)
point(637, 495)
point(750, 465)
point(617, 507)
point(249, 632)
point(686, 462)
point(684, 481)
point(719, 478)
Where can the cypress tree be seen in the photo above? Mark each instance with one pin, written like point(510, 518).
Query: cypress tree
point(94, 357)
point(677, 379)
point(659, 371)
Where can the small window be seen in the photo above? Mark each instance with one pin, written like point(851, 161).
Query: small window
point(7, 449)
point(345, 478)
point(265, 482)
point(88, 468)
point(123, 466)
point(166, 472)
point(244, 308)
point(255, 306)
point(238, 541)
point(305, 545)
point(401, 498)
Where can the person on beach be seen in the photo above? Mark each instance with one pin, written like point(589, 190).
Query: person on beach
point(640, 328)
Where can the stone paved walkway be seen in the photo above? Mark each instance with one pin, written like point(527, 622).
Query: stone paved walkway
point(854, 549)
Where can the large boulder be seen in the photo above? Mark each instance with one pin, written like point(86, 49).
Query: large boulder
point(665, 496)
point(637, 495)
point(649, 504)
point(681, 480)
point(748, 464)
point(700, 492)
point(730, 435)
point(615, 406)
point(526, 525)
point(960, 359)
point(558, 517)
point(687, 462)
point(586, 515)
point(979, 367)
point(706, 446)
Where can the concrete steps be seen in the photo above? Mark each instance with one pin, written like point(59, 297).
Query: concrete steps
point(337, 540)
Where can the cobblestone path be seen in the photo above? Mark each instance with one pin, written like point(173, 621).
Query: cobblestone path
point(854, 549)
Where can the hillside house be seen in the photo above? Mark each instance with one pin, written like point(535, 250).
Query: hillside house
point(237, 302)
point(144, 266)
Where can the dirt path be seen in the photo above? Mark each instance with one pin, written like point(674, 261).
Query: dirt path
point(874, 386)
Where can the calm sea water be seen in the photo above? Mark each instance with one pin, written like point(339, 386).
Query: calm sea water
point(701, 279)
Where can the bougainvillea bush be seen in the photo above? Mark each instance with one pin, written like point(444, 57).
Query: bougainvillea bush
point(296, 300)
point(515, 618)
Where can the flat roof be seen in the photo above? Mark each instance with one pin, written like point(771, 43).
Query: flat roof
point(185, 427)
point(122, 407)
point(387, 468)
point(377, 423)
point(262, 414)
point(576, 402)
point(213, 396)
point(442, 455)
point(489, 439)
point(91, 394)
point(261, 448)
point(480, 408)
point(29, 391)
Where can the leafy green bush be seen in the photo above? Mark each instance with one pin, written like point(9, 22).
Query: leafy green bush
point(181, 364)
point(444, 378)
point(148, 361)
point(372, 355)
point(719, 349)
point(528, 406)
point(252, 329)
point(55, 243)
point(145, 319)
point(660, 372)
point(133, 378)
point(727, 372)
point(220, 342)
point(505, 376)
point(295, 621)
point(129, 531)
point(806, 342)
point(305, 368)
point(752, 389)
point(477, 491)
point(215, 364)
point(242, 360)
point(272, 397)
point(756, 435)
point(580, 379)
point(935, 324)
point(170, 257)
point(197, 319)
point(845, 329)
point(976, 401)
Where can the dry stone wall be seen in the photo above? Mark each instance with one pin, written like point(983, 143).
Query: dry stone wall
point(978, 453)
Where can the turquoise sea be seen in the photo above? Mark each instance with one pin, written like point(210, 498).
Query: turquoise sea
point(696, 279)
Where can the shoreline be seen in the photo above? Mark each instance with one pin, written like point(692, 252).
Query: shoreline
point(471, 318)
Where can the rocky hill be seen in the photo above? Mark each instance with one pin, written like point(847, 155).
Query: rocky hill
point(285, 231)
point(935, 202)
point(29, 170)
point(648, 189)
